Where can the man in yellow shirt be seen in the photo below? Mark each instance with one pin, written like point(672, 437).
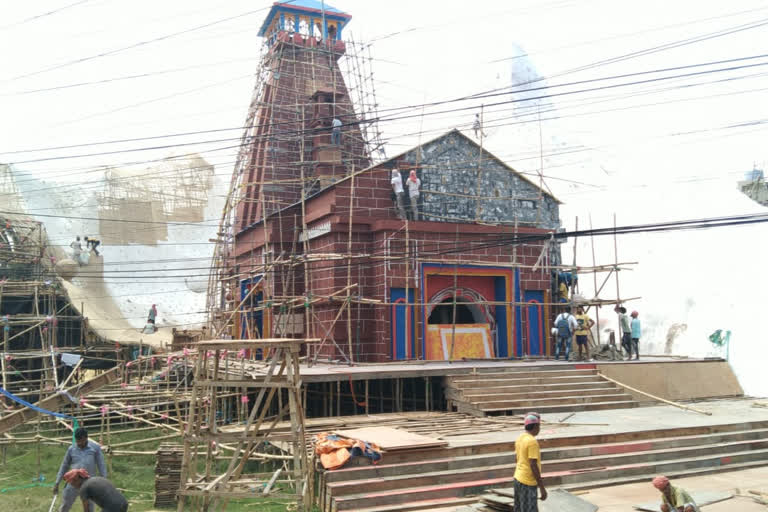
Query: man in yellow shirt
point(528, 467)
point(674, 499)
point(582, 332)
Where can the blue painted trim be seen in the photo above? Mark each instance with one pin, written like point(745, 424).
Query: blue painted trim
point(518, 317)
point(537, 345)
point(401, 339)
point(257, 299)
point(342, 19)
point(500, 312)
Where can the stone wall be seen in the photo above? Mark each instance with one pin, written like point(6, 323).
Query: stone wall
point(459, 186)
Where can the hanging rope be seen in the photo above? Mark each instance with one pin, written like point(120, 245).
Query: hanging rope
point(75, 424)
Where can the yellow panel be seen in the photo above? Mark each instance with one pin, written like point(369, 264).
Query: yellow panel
point(471, 341)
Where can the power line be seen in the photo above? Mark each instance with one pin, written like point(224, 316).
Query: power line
point(43, 15)
point(402, 116)
point(139, 44)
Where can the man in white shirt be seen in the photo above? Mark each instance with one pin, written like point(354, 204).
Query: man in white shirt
point(336, 131)
point(397, 188)
point(414, 184)
point(566, 326)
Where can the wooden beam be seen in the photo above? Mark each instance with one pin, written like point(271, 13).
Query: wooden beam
point(54, 402)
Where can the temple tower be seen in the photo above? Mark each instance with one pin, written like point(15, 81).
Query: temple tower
point(303, 92)
point(288, 153)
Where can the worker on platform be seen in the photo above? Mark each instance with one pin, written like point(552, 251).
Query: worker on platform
point(528, 467)
point(77, 248)
point(414, 185)
point(92, 244)
point(566, 326)
point(626, 331)
point(674, 499)
point(95, 489)
point(399, 192)
point(83, 455)
point(336, 131)
point(582, 332)
point(477, 127)
point(636, 331)
point(152, 315)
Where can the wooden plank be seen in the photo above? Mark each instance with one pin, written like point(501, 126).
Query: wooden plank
point(253, 344)
point(276, 383)
point(390, 439)
point(54, 402)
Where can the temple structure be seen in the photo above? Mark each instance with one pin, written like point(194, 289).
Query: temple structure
point(318, 242)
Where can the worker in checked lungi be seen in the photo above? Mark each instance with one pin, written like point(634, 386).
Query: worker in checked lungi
point(528, 467)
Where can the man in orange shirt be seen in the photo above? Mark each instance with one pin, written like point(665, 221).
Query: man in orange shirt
point(528, 467)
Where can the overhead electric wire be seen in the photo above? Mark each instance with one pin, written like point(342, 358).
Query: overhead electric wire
point(502, 240)
point(140, 43)
point(43, 15)
point(381, 119)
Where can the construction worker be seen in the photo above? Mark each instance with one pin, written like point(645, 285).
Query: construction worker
point(626, 331)
point(95, 489)
point(636, 330)
point(566, 326)
point(85, 455)
point(414, 184)
point(582, 331)
point(478, 127)
point(152, 315)
point(336, 132)
point(92, 243)
point(528, 467)
point(674, 499)
point(397, 189)
point(77, 248)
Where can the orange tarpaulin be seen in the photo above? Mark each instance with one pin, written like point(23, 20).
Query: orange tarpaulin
point(472, 341)
point(335, 451)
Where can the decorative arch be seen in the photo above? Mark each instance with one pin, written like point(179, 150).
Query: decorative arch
point(471, 297)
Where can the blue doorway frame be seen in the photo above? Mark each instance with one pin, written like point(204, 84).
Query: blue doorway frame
point(534, 334)
point(253, 301)
point(403, 324)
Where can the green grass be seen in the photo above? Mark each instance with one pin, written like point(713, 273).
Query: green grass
point(134, 475)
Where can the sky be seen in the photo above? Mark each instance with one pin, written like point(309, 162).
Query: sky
point(619, 130)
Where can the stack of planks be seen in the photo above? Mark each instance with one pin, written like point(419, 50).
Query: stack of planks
point(503, 500)
point(168, 474)
point(499, 499)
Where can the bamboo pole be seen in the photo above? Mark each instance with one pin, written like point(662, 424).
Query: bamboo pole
point(659, 399)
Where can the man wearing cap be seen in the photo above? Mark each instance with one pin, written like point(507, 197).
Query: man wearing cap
point(636, 330)
point(97, 490)
point(84, 454)
point(674, 499)
point(528, 467)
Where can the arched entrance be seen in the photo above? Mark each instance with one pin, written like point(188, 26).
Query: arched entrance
point(461, 330)
point(466, 312)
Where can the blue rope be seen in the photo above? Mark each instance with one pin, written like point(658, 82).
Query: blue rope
point(23, 402)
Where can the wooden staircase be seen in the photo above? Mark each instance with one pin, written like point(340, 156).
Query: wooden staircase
point(542, 389)
point(450, 476)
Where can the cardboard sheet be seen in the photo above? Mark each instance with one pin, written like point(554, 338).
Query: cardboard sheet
point(391, 439)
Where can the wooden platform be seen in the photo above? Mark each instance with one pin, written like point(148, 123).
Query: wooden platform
point(458, 473)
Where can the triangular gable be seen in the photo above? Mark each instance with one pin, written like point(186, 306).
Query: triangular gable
point(486, 155)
